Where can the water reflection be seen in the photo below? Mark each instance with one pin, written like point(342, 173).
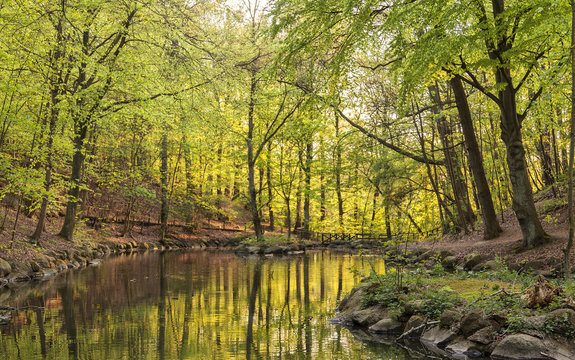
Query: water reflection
point(191, 305)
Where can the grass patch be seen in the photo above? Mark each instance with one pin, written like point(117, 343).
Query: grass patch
point(471, 289)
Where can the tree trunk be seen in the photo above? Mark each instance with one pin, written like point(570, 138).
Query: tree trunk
point(297, 223)
point(164, 211)
point(567, 250)
point(67, 230)
point(253, 195)
point(307, 191)
point(544, 149)
point(269, 184)
point(490, 223)
point(465, 216)
point(338, 172)
point(523, 203)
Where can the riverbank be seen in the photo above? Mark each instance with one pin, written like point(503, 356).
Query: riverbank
point(494, 313)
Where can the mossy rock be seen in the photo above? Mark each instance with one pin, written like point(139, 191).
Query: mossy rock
point(449, 318)
point(449, 263)
point(472, 322)
point(5, 268)
point(471, 260)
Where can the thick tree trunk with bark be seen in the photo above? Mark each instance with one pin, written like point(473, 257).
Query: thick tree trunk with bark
point(523, 203)
point(67, 230)
point(491, 226)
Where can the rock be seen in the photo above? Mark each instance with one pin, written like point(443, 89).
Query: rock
point(44, 273)
point(410, 308)
point(449, 262)
point(369, 316)
point(445, 253)
point(497, 320)
point(34, 266)
point(472, 322)
point(484, 336)
point(43, 261)
point(425, 256)
point(471, 260)
point(561, 321)
point(5, 268)
point(18, 277)
point(534, 265)
point(5, 317)
point(275, 250)
point(254, 250)
point(387, 326)
point(519, 346)
point(438, 336)
point(449, 318)
point(460, 347)
point(61, 265)
point(414, 322)
point(492, 265)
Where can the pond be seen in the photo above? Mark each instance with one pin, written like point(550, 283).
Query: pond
point(191, 305)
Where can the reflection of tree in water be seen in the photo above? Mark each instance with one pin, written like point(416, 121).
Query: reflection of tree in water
point(255, 287)
point(192, 305)
point(67, 295)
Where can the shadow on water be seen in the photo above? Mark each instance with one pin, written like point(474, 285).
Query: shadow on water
point(191, 305)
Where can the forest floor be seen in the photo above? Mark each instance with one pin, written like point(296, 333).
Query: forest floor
point(15, 245)
point(553, 211)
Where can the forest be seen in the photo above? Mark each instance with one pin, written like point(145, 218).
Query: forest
point(382, 117)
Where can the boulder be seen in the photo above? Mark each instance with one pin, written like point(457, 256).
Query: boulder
point(438, 336)
point(472, 322)
point(561, 321)
point(5, 268)
point(368, 317)
point(471, 260)
point(519, 347)
point(449, 318)
point(274, 249)
point(445, 253)
point(410, 308)
point(492, 265)
point(449, 262)
point(34, 266)
point(425, 256)
point(484, 336)
point(460, 347)
point(413, 323)
point(387, 326)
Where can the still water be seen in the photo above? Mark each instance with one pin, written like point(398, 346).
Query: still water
point(191, 305)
